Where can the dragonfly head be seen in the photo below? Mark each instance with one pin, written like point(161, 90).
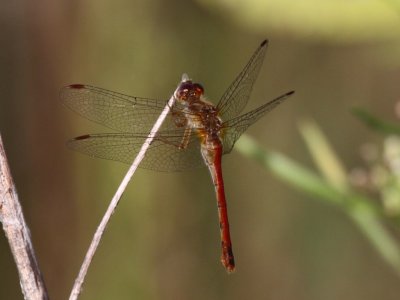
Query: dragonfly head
point(189, 91)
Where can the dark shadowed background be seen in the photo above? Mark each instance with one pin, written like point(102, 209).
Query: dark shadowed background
point(163, 241)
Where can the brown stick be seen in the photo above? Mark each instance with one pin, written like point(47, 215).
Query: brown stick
point(18, 235)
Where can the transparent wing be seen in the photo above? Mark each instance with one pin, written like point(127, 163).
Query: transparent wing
point(234, 128)
point(114, 110)
point(163, 154)
point(237, 95)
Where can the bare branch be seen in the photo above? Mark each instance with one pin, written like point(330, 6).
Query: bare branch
point(114, 202)
point(18, 235)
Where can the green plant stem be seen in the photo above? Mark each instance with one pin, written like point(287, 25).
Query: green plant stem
point(375, 123)
point(359, 208)
point(370, 224)
point(329, 165)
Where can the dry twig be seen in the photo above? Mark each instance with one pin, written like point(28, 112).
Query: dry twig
point(114, 202)
point(18, 235)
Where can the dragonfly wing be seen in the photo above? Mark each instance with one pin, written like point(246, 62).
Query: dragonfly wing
point(236, 96)
point(163, 154)
point(114, 110)
point(234, 128)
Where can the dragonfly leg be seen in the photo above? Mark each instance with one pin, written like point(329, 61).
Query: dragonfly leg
point(182, 145)
point(185, 138)
point(180, 119)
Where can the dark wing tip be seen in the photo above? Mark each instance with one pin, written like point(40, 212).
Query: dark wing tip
point(71, 143)
point(76, 86)
point(289, 93)
point(82, 137)
point(64, 91)
point(263, 43)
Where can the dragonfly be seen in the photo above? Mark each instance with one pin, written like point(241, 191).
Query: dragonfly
point(195, 133)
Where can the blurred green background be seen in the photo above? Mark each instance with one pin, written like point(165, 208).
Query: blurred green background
point(163, 240)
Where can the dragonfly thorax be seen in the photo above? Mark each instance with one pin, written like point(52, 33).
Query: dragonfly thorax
point(200, 113)
point(210, 119)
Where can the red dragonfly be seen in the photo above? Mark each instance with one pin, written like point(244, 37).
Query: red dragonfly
point(196, 132)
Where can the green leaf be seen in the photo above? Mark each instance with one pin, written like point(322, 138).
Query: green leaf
point(323, 155)
point(364, 212)
point(375, 123)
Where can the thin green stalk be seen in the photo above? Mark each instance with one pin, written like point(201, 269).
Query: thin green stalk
point(328, 163)
point(375, 123)
point(362, 210)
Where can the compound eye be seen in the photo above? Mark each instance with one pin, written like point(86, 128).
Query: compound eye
point(183, 91)
point(198, 89)
point(186, 85)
